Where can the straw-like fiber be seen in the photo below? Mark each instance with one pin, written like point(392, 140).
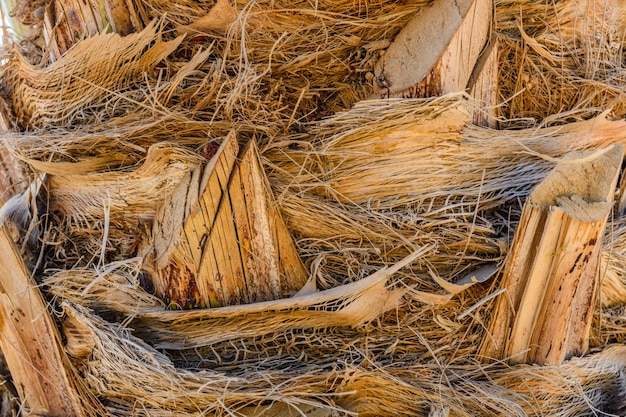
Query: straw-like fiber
point(317, 355)
point(130, 373)
point(94, 71)
point(560, 57)
point(387, 175)
point(362, 187)
point(134, 194)
point(407, 345)
point(351, 305)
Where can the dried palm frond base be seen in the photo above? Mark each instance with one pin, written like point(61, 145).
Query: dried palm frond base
point(412, 360)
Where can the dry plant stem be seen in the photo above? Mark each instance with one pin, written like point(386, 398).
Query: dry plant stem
point(30, 340)
point(552, 271)
point(436, 52)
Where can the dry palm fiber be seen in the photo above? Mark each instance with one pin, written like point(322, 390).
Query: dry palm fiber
point(404, 353)
point(439, 318)
point(563, 56)
point(133, 194)
point(277, 63)
point(348, 306)
point(92, 73)
point(614, 259)
point(98, 213)
point(386, 175)
point(120, 142)
point(180, 90)
point(127, 372)
point(138, 86)
point(411, 360)
point(28, 11)
point(313, 57)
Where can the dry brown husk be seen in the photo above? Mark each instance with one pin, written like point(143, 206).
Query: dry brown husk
point(273, 74)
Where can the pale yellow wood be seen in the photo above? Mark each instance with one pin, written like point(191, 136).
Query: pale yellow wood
point(552, 270)
point(514, 280)
point(241, 217)
point(268, 262)
point(437, 51)
point(483, 86)
point(577, 266)
point(30, 341)
point(262, 258)
point(207, 282)
point(195, 232)
point(224, 234)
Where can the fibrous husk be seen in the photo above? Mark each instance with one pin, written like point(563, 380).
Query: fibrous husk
point(297, 345)
point(95, 71)
point(135, 378)
point(298, 361)
point(386, 175)
point(266, 75)
point(560, 57)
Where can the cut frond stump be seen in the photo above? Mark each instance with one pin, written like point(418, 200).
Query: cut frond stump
point(437, 51)
point(30, 340)
point(219, 241)
point(552, 272)
point(68, 21)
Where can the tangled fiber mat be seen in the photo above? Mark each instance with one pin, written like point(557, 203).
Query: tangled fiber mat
point(394, 205)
